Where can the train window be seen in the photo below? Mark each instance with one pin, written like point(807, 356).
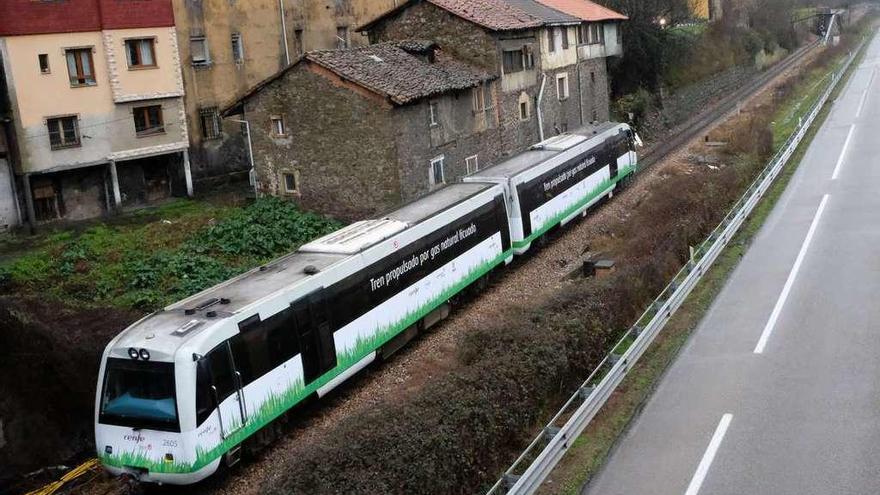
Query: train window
point(251, 352)
point(221, 371)
point(204, 402)
point(139, 394)
point(282, 340)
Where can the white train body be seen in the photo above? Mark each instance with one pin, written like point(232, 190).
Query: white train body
point(180, 390)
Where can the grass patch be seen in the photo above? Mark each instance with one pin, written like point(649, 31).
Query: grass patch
point(150, 258)
point(590, 451)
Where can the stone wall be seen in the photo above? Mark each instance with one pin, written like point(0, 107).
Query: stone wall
point(595, 90)
point(463, 39)
point(460, 133)
point(339, 143)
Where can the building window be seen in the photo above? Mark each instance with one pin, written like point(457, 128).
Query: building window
point(472, 164)
point(562, 86)
point(198, 47)
point(141, 53)
point(434, 113)
point(277, 122)
point(513, 61)
point(80, 67)
point(437, 176)
point(210, 120)
point(63, 132)
point(148, 120)
point(591, 34)
point(478, 99)
point(47, 204)
point(237, 48)
point(342, 40)
point(290, 182)
point(551, 39)
point(44, 63)
point(298, 38)
point(523, 110)
point(564, 34)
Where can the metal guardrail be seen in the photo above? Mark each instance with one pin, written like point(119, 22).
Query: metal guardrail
point(598, 387)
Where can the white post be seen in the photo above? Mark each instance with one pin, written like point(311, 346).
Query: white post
point(114, 177)
point(284, 32)
point(187, 174)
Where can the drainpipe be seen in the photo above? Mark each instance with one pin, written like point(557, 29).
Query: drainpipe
point(540, 99)
point(252, 175)
point(283, 36)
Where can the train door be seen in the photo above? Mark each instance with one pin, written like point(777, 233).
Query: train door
point(226, 388)
point(318, 351)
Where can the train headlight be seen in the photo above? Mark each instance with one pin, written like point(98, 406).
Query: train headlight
point(145, 354)
point(133, 353)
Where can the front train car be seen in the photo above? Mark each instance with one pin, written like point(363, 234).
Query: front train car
point(145, 405)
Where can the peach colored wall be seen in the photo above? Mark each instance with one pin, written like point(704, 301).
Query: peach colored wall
point(162, 80)
point(103, 110)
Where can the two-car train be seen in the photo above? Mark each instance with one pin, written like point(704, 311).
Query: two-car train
point(181, 390)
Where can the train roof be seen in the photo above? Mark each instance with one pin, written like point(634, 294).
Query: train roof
point(542, 152)
point(166, 330)
point(367, 233)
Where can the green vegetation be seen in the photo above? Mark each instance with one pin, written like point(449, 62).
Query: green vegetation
point(591, 449)
point(131, 263)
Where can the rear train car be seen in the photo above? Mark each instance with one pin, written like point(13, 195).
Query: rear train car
point(181, 390)
point(561, 177)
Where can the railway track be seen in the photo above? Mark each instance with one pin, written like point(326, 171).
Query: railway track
point(655, 154)
point(722, 109)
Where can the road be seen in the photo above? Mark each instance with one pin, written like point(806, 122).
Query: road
point(778, 389)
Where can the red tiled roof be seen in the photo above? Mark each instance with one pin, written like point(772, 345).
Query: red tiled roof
point(585, 9)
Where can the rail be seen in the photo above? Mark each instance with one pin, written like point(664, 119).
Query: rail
point(553, 441)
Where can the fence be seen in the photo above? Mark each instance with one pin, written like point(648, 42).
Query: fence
point(602, 382)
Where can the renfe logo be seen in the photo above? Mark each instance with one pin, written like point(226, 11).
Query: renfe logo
point(136, 438)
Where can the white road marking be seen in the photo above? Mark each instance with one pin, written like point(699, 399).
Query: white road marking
point(840, 159)
point(768, 329)
point(709, 455)
point(865, 94)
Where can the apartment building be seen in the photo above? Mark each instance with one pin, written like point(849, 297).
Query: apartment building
point(94, 114)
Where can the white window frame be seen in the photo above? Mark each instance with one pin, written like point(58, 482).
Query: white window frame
point(432, 178)
point(433, 110)
point(472, 164)
point(563, 76)
point(237, 48)
point(205, 49)
point(274, 121)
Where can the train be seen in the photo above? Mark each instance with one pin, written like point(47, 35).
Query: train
point(184, 389)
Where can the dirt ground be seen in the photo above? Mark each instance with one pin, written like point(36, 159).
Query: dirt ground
point(53, 354)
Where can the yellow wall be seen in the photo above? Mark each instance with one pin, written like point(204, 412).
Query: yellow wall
point(259, 22)
point(700, 8)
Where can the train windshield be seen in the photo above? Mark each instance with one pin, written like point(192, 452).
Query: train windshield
point(139, 394)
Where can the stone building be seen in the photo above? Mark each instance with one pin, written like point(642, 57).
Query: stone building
point(355, 131)
point(549, 54)
point(93, 111)
point(227, 47)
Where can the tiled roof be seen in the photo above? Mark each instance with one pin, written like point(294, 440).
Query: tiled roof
point(495, 15)
point(585, 9)
point(401, 71)
point(546, 14)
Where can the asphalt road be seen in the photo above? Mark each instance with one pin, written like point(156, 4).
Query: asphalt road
point(778, 390)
